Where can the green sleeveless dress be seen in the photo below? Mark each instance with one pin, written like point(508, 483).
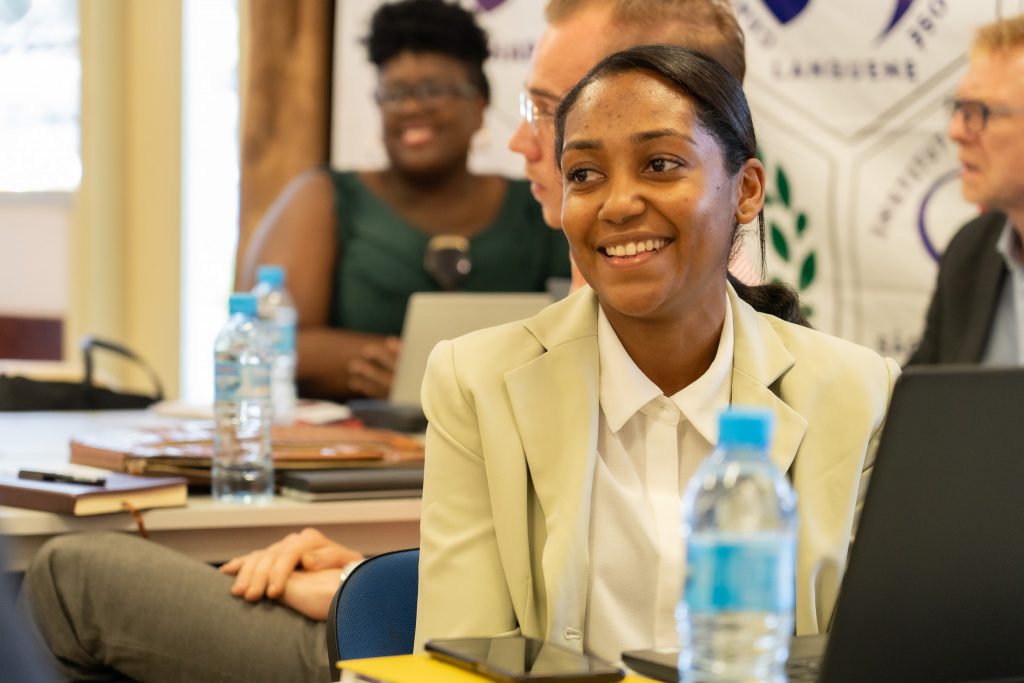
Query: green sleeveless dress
point(380, 259)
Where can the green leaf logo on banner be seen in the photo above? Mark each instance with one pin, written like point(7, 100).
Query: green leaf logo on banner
point(790, 235)
point(801, 223)
point(779, 241)
point(782, 183)
point(807, 271)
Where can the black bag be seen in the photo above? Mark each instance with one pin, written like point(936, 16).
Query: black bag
point(23, 393)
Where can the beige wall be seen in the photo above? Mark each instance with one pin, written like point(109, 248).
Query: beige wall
point(126, 241)
point(34, 229)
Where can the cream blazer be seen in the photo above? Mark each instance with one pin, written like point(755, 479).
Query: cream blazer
point(512, 444)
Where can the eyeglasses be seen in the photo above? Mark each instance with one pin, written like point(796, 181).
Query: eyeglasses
point(975, 113)
point(425, 94)
point(532, 113)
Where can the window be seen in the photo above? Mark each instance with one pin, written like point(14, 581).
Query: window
point(40, 77)
point(40, 82)
point(210, 185)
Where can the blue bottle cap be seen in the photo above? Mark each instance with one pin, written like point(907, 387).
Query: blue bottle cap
point(745, 427)
point(270, 274)
point(244, 303)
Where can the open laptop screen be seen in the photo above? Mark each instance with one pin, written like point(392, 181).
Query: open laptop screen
point(434, 316)
point(934, 588)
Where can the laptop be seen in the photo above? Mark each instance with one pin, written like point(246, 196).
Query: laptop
point(431, 317)
point(354, 483)
point(803, 664)
point(934, 587)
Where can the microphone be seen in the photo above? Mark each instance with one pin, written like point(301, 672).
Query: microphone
point(447, 261)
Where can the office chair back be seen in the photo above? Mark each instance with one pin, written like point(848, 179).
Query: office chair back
point(373, 614)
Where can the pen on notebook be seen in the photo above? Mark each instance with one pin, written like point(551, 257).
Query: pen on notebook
point(37, 475)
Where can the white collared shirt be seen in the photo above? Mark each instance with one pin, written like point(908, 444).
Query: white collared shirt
point(648, 447)
point(1005, 344)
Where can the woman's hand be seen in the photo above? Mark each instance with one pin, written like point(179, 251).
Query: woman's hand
point(265, 572)
point(371, 372)
point(310, 592)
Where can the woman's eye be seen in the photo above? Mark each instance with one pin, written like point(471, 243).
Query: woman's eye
point(579, 175)
point(662, 165)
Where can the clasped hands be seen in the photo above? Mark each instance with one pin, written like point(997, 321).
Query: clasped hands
point(302, 571)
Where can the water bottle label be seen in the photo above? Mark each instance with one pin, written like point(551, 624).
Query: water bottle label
point(740, 574)
point(284, 337)
point(234, 381)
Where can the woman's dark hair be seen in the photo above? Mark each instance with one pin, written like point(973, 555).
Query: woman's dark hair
point(430, 26)
point(722, 110)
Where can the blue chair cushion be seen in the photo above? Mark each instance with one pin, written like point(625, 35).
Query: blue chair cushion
point(373, 614)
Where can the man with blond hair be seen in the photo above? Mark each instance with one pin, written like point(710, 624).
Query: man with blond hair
point(579, 34)
point(977, 311)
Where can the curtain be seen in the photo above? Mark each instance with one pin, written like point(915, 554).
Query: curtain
point(285, 100)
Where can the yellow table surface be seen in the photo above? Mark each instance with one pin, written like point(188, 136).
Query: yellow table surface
point(422, 669)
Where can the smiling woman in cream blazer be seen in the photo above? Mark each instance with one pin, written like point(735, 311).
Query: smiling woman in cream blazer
point(516, 411)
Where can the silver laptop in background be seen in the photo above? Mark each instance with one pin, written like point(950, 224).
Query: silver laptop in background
point(432, 317)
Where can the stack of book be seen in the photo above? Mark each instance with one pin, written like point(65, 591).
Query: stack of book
point(188, 451)
point(153, 467)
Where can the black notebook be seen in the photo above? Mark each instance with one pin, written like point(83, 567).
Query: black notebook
point(403, 481)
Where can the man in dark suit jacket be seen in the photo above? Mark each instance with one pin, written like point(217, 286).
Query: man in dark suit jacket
point(971, 277)
point(977, 311)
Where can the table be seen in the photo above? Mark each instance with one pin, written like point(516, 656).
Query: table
point(204, 529)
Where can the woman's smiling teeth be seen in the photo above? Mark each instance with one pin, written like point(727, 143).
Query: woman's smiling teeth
point(634, 248)
point(417, 135)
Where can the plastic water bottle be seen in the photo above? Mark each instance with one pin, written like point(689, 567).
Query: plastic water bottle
point(735, 618)
point(278, 311)
point(243, 469)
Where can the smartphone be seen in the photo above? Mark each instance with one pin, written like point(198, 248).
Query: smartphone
point(518, 658)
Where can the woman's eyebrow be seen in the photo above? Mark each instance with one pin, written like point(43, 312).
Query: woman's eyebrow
point(542, 93)
point(635, 138)
point(648, 135)
point(582, 144)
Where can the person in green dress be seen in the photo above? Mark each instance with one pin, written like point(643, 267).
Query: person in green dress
point(353, 243)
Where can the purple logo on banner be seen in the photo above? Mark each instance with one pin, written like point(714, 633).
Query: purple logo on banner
point(901, 8)
point(488, 5)
point(786, 10)
point(922, 225)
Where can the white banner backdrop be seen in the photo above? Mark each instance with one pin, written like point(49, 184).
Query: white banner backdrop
point(850, 103)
